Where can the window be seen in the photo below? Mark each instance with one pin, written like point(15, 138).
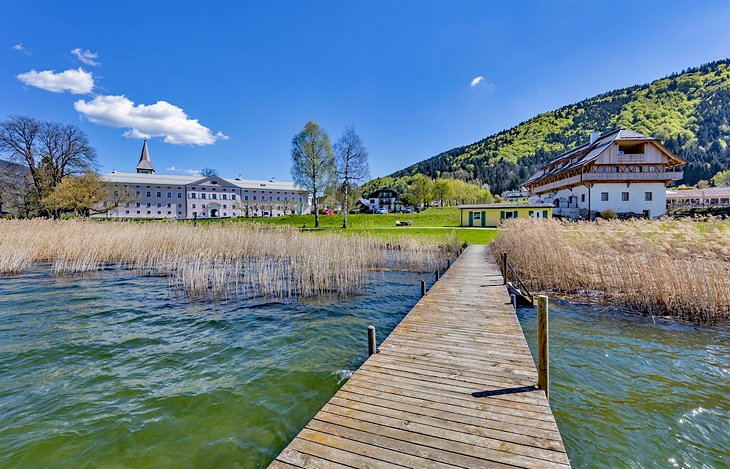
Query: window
point(233, 197)
point(149, 194)
point(639, 169)
point(149, 205)
point(138, 194)
point(179, 195)
point(203, 207)
point(193, 205)
point(225, 206)
point(138, 204)
point(169, 205)
point(192, 195)
point(159, 194)
point(647, 196)
point(202, 196)
point(159, 205)
point(624, 196)
point(245, 197)
point(179, 205)
point(254, 197)
point(213, 196)
point(224, 196)
point(582, 197)
point(477, 215)
point(278, 198)
point(169, 195)
point(616, 169)
point(127, 211)
point(604, 196)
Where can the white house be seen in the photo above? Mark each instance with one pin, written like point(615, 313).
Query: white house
point(623, 170)
point(382, 198)
point(145, 194)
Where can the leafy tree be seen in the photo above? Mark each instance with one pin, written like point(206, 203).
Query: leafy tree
point(408, 199)
point(209, 172)
point(702, 184)
point(83, 195)
point(444, 190)
point(421, 186)
point(352, 165)
point(313, 164)
point(721, 179)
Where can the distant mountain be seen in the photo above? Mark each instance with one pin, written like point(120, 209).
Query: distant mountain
point(688, 111)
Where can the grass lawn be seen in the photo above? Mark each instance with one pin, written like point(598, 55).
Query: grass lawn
point(433, 222)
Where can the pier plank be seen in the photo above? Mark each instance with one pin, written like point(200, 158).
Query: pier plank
point(454, 385)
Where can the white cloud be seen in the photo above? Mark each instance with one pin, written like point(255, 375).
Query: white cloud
point(161, 119)
point(86, 56)
point(19, 47)
point(191, 172)
point(77, 81)
point(477, 80)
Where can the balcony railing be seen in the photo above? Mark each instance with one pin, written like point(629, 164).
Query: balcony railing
point(606, 177)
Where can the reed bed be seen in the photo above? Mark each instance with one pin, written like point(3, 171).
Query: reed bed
point(679, 268)
point(220, 260)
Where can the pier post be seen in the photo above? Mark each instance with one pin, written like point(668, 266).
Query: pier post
point(543, 346)
point(423, 288)
point(504, 268)
point(371, 341)
point(448, 264)
point(436, 274)
point(513, 300)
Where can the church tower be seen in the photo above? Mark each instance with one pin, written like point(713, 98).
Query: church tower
point(145, 165)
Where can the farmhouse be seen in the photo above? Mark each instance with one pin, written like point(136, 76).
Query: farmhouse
point(145, 194)
point(623, 171)
point(382, 198)
point(490, 215)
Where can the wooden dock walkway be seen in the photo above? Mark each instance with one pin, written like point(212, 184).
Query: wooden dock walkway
point(452, 386)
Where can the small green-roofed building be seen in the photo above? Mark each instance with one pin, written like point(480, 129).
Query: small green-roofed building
point(490, 215)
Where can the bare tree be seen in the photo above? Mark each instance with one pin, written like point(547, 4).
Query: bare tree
point(49, 150)
point(209, 172)
point(313, 164)
point(352, 164)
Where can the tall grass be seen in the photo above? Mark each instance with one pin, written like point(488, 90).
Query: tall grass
point(216, 259)
point(679, 267)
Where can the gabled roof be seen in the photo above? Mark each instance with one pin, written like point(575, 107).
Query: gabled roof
point(589, 152)
point(182, 180)
point(144, 160)
point(374, 194)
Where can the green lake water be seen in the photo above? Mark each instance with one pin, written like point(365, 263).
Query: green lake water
point(113, 370)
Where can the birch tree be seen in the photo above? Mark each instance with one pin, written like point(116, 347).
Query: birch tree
point(352, 165)
point(313, 164)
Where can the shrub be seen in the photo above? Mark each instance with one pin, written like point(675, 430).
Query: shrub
point(608, 214)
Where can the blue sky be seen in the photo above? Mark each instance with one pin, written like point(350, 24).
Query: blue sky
point(400, 72)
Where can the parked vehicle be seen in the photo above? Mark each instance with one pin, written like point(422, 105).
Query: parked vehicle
point(382, 210)
point(328, 211)
point(407, 210)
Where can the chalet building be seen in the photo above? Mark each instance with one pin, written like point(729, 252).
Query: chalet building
point(146, 194)
point(623, 170)
point(382, 198)
point(491, 215)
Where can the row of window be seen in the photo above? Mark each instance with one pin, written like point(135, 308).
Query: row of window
point(193, 195)
point(224, 206)
point(648, 196)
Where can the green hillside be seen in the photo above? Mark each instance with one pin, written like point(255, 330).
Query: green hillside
point(689, 112)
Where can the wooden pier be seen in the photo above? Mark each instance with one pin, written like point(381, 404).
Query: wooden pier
point(454, 385)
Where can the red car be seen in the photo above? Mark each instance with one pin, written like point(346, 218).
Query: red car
point(327, 211)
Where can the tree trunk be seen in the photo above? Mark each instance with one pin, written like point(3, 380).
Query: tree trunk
point(344, 209)
point(316, 212)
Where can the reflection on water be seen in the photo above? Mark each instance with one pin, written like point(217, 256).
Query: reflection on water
point(628, 392)
point(111, 369)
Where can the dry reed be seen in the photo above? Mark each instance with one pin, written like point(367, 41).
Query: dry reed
point(660, 267)
point(216, 259)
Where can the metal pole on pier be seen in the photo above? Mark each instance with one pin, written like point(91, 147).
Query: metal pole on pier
point(423, 288)
point(504, 268)
point(543, 346)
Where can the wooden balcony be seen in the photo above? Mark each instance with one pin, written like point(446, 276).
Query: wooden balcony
point(608, 177)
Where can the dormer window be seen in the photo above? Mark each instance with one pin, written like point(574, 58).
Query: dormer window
point(631, 148)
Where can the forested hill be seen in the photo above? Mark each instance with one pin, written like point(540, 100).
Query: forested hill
point(688, 111)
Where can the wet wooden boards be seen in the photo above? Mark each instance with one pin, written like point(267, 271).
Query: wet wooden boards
point(454, 385)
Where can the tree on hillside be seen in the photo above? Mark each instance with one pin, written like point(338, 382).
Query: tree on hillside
point(50, 151)
point(352, 165)
point(84, 195)
point(721, 179)
point(444, 190)
point(313, 164)
point(209, 172)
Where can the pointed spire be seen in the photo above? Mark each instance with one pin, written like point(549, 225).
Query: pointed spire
point(145, 165)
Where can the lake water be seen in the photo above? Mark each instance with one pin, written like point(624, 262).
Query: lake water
point(112, 369)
